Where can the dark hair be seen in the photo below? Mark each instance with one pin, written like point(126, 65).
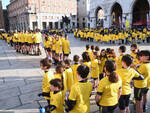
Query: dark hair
point(123, 49)
point(76, 58)
point(68, 62)
point(108, 50)
point(57, 83)
point(85, 57)
point(46, 62)
point(97, 48)
point(105, 56)
point(83, 71)
point(128, 59)
point(60, 70)
point(110, 66)
point(144, 53)
point(112, 53)
point(134, 45)
point(61, 63)
point(92, 47)
point(87, 46)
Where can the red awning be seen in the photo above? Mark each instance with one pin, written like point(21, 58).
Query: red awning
point(139, 23)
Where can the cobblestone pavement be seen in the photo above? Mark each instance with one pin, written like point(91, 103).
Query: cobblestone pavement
point(21, 78)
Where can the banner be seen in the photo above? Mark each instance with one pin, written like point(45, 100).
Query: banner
point(127, 24)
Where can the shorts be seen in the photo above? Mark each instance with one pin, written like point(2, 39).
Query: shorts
point(26, 43)
point(48, 49)
point(66, 55)
point(94, 78)
point(124, 101)
point(107, 109)
point(53, 51)
point(138, 93)
point(145, 91)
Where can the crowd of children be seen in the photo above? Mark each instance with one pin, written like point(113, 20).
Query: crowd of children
point(112, 36)
point(57, 46)
point(24, 42)
point(69, 88)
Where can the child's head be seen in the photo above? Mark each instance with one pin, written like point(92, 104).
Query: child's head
point(76, 58)
point(85, 57)
point(108, 50)
point(103, 52)
point(110, 68)
point(87, 46)
point(45, 64)
point(97, 48)
point(61, 63)
point(92, 47)
point(112, 53)
point(83, 71)
point(144, 56)
point(59, 69)
point(127, 60)
point(67, 63)
point(122, 49)
point(56, 85)
point(134, 48)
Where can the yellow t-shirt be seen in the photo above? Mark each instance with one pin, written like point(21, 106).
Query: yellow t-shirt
point(119, 62)
point(54, 44)
point(30, 38)
point(127, 75)
point(89, 65)
point(66, 46)
point(23, 38)
point(37, 38)
point(48, 76)
point(112, 58)
point(58, 46)
point(57, 100)
point(74, 70)
point(109, 92)
point(80, 92)
point(101, 65)
point(94, 69)
point(69, 77)
point(135, 60)
point(143, 69)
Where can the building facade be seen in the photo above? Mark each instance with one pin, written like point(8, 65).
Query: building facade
point(41, 14)
point(83, 13)
point(1, 16)
point(109, 13)
point(6, 21)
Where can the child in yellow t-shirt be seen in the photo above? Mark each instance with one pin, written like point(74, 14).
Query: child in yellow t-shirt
point(95, 69)
point(66, 47)
point(140, 86)
point(68, 74)
point(79, 97)
point(127, 74)
point(45, 66)
point(109, 89)
point(56, 97)
point(74, 67)
point(122, 50)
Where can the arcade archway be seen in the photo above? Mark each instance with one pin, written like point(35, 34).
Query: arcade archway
point(140, 11)
point(99, 17)
point(116, 15)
